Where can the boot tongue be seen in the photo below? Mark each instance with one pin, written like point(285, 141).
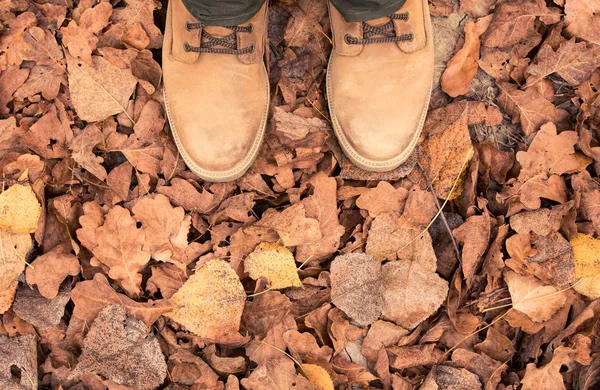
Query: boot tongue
point(379, 21)
point(217, 31)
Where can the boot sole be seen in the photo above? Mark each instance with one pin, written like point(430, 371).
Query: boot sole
point(353, 155)
point(242, 167)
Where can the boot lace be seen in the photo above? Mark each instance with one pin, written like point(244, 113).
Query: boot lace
point(387, 31)
point(208, 41)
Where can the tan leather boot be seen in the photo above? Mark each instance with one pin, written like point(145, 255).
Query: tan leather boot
point(216, 91)
point(379, 83)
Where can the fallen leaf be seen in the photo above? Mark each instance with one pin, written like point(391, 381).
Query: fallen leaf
point(100, 90)
point(116, 347)
point(572, 61)
point(15, 248)
point(542, 222)
point(318, 376)
point(49, 136)
point(276, 374)
point(183, 193)
point(355, 286)
point(292, 225)
point(461, 69)
point(120, 244)
point(445, 377)
point(91, 296)
point(383, 199)
point(185, 367)
point(411, 292)
point(39, 311)
point(20, 210)
point(487, 369)
point(18, 353)
point(549, 376)
point(529, 108)
point(82, 147)
point(50, 269)
point(264, 312)
point(475, 236)
point(402, 357)
point(382, 334)
point(275, 263)
point(142, 12)
point(582, 19)
point(531, 297)
point(224, 365)
point(587, 265)
point(210, 303)
point(81, 37)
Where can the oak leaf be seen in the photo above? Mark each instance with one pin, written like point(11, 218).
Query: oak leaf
point(355, 286)
point(292, 225)
point(529, 107)
point(81, 37)
point(587, 265)
point(210, 303)
point(20, 210)
point(572, 61)
point(50, 269)
point(461, 69)
point(15, 248)
point(582, 19)
point(91, 296)
point(275, 263)
point(82, 146)
point(142, 12)
point(549, 376)
point(383, 199)
point(165, 229)
point(117, 348)
point(529, 296)
point(100, 90)
point(552, 154)
point(120, 248)
point(183, 193)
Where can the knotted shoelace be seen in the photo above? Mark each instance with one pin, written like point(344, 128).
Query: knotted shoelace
point(208, 41)
point(387, 31)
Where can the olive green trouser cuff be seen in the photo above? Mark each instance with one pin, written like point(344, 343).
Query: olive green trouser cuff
point(234, 12)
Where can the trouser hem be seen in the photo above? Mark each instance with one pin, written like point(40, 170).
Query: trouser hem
point(364, 15)
point(223, 20)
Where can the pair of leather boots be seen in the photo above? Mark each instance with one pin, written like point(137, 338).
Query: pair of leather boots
point(216, 88)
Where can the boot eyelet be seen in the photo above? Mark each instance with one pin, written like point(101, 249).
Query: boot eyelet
point(250, 28)
point(347, 38)
point(411, 37)
point(407, 16)
point(188, 26)
point(252, 48)
point(187, 47)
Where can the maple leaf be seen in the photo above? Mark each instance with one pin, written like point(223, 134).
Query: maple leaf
point(50, 269)
point(461, 69)
point(120, 245)
point(81, 37)
point(572, 61)
point(539, 302)
point(275, 263)
point(117, 348)
point(528, 107)
point(210, 303)
point(356, 286)
point(165, 229)
point(100, 90)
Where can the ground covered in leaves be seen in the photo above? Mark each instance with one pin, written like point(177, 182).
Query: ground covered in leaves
point(475, 265)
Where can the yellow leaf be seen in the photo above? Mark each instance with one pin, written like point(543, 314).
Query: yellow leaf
point(210, 303)
point(19, 210)
point(586, 252)
point(318, 376)
point(13, 250)
point(275, 263)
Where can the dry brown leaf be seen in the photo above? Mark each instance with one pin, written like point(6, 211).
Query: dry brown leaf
point(318, 376)
point(582, 20)
point(587, 265)
point(549, 376)
point(445, 377)
point(50, 269)
point(355, 286)
point(38, 311)
point(183, 193)
point(165, 229)
point(276, 374)
point(120, 244)
point(461, 69)
point(15, 248)
point(383, 199)
point(10, 80)
point(82, 146)
point(411, 292)
point(210, 303)
point(91, 296)
point(292, 225)
point(552, 154)
point(117, 348)
point(100, 90)
point(275, 263)
point(542, 222)
point(81, 37)
point(18, 353)
point(572, 61)
point(531, 297)
point(20, 210)
point(264, 312)
point(142, 12)
point(475, 236)
point(528, 107)
point(382, 334)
